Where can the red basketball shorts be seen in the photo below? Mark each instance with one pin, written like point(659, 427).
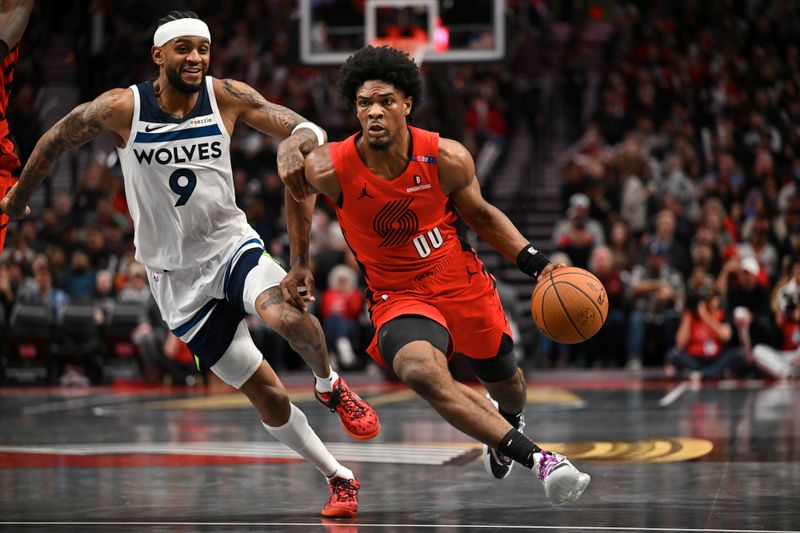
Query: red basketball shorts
point(6, 182)
point(460, 295)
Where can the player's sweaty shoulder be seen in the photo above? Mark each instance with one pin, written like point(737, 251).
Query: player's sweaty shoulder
point(456, 166)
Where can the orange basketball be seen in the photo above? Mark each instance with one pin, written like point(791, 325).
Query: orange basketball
point(569, 305)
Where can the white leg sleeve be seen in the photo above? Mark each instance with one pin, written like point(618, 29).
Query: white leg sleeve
point(240, 360)
point(298, 435)
point(265, 275)
point(773, 362)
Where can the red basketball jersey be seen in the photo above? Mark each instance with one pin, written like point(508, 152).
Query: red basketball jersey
point(8, 159)
point(9, 162)
point(400, 230)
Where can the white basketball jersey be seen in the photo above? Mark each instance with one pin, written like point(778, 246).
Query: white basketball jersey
point(179, 183)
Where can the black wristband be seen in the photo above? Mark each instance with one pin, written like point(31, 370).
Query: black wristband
point(531, 261)
point(3, 50)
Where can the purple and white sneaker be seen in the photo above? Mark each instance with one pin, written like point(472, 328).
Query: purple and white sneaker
point(496, 464)
point(562, 482)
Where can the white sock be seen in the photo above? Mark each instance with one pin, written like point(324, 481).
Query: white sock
point(298, 435)
point(326, 384)
point(342, 472)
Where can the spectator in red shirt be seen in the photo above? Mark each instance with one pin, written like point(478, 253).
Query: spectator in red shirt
point(341, 305)
point(702, 334)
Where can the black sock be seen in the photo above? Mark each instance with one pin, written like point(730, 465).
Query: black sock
point(519, 447)
point(512, 419)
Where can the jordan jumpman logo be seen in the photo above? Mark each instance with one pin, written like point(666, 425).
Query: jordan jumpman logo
point(365, 194)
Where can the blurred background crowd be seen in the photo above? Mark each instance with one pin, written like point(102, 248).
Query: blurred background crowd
point(671, 131)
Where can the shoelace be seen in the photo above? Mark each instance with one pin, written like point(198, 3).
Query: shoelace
point(345, 397)
point(344, 489)
point(546, 465)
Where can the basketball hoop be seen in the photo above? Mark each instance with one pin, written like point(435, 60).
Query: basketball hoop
point(413, 46)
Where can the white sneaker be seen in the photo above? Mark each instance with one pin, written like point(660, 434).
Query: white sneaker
point(562, 482)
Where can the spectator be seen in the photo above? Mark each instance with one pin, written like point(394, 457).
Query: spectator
point(623, 246)
point(664, 237)
point(656, 290)
point(699, 341)
point(79, 282)
point(784, 363)
point(341, 306)
point(103, 297)
point(609, 343)
point(759, 247)
point(8, 291)
point(739, 284)
point(40, 290)
point(578, 234)
point(145, 336)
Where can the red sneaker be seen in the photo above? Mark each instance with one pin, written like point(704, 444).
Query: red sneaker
point(358, 418)
point(343, 501)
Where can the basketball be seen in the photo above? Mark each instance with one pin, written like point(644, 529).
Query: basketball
point(569, 305)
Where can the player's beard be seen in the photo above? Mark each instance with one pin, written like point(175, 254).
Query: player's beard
point(174, 78)
point(379, 147)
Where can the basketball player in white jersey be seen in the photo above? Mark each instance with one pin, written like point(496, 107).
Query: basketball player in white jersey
point(206, 266)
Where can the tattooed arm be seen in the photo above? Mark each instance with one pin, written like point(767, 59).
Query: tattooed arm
point(111, 111)
point(239, 100)
point(14, 15)
point(298, 284)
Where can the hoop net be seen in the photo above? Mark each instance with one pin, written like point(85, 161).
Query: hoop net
point(414, 47)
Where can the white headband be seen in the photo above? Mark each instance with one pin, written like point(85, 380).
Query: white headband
point(180, 28)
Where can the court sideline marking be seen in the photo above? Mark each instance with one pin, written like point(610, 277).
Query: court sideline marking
point(740, 427)
point(77, 403)
point(409, 526)
point(674, 394)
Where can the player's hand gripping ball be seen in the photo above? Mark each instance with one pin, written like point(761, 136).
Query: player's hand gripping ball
point(569, 305)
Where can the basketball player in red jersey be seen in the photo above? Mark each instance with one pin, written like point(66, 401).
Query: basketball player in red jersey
point(14, 15)
point(397, 189)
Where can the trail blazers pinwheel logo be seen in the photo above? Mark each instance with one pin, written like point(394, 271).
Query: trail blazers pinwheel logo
point(395, 222)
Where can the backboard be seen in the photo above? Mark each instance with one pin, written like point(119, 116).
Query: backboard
point(450, 30)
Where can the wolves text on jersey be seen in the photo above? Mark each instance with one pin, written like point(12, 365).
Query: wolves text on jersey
point(179, 154)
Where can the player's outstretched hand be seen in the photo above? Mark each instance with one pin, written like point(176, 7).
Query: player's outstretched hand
point(298, 287)
point(291, 169)
point(12, 208)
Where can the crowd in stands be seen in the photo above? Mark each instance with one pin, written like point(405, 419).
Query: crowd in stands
point(78, 251)
point(687, 178)
point(682, 193)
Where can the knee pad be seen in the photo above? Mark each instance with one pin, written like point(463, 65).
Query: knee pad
point(498, 368)
point(240, 361)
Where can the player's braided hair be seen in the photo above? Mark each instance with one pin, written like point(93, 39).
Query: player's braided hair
point(177, 15)
point(382, 63)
